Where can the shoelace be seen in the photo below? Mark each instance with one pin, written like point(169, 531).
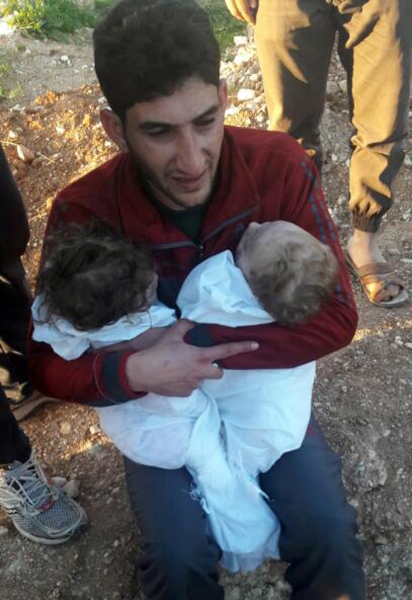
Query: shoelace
point(32, 489)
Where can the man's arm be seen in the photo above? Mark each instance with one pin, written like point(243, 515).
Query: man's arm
point(169, 367)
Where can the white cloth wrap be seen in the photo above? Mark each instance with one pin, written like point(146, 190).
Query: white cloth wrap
point(249, 417)
point(141, 429)
point(265, 412)
point(70, 343)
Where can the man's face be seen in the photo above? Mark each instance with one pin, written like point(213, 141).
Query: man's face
point(176, 142)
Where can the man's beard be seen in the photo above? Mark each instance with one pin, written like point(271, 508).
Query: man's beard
point(152, 183)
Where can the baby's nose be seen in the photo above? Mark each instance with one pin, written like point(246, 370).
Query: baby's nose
point(253, 225)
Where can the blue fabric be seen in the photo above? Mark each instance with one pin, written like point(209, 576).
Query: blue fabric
point(319, 528)
point(318, 536)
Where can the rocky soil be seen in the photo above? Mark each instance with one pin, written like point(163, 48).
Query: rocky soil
point(363, 395)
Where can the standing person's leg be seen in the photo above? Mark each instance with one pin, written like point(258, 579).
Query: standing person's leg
point(14, 445)
point(15, 301)
point(180, 558)
point(318, 526)
point(39, 511)
point(294, 44)
point(375, 47)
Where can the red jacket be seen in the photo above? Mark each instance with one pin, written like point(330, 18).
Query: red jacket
point(263, 176)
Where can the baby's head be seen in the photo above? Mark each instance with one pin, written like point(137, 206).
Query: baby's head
point(289, 271)
point(92, 276)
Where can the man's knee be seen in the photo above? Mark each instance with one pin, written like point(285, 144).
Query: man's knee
point(175, 572)
point(304, 532)
point(178, 560)
point(336, 536)
point(325, 559)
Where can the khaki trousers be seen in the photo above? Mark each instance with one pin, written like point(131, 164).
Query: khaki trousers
point(294, 41)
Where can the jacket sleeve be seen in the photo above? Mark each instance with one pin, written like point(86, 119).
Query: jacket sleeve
point(93, 379)
point(332, 328)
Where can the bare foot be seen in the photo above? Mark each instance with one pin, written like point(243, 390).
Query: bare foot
point(363, 249)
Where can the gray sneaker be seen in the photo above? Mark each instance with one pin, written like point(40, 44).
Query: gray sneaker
point(39, 510)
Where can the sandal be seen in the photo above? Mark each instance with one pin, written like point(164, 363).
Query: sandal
point(380, 273)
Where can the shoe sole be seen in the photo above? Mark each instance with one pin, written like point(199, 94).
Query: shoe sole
point(25, 408)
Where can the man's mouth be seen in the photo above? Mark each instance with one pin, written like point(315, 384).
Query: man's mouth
point(190, 183)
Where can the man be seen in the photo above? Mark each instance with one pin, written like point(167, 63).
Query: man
point(294, 44)
point(187, 187)
point(39, 511)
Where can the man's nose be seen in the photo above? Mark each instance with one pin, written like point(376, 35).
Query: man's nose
point(189, 155)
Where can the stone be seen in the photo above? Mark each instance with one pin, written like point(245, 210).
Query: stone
point(25, 154)
point(240, 40)
point(65, 428)
point(343, 84)
point(245, 94)
point(98, 451)
point(332, 88)
point(235, 594)
point(72, 488)
point(59, 481)
point(3, 531)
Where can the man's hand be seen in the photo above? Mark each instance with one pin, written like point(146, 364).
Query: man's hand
point(245, 10)
point(170, 367)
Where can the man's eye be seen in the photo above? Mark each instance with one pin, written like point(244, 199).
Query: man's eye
point(158, 132)
point(205, 122)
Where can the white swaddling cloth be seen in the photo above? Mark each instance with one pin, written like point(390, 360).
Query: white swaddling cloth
point(172, 432)
point(265, 412)
point(141, 429)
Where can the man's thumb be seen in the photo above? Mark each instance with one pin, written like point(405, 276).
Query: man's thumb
point(182, 327)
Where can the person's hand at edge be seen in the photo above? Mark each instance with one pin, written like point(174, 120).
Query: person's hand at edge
point(170, 367)
point(244, 10)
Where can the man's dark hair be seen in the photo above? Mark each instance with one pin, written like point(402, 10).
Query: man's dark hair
point(145, 49)
point(92, 276)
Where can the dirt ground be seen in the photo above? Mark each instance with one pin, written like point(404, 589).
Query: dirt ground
point(363, 395)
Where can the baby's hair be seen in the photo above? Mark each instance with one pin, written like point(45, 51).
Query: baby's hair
point(92, 276)
point(294, 284)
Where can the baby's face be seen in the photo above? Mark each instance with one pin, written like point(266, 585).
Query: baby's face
point(258, 244)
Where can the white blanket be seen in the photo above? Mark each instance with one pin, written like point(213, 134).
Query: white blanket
point(226, 432)
point(265, 412)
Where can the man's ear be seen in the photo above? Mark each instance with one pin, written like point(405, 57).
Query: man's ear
point(222, 92)
point(113, 128)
